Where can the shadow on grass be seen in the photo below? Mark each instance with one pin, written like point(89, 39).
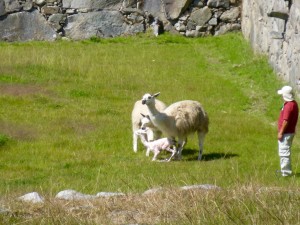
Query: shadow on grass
point(206, 157)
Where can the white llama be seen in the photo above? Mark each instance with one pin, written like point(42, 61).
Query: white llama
point(136, 116)
point(179, 120)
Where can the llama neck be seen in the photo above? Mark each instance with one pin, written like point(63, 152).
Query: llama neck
point(152, 109)
point(144, 141)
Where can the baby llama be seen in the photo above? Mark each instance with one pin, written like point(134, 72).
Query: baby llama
point(158, 145)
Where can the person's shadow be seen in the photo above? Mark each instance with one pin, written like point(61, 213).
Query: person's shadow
point(189, 155)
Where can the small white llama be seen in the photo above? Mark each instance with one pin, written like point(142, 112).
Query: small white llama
point(158, 145)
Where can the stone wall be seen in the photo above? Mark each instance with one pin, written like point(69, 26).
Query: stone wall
point(24, 20)
point(273, 28)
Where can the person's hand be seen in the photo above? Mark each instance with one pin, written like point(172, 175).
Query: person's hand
point(279, 136)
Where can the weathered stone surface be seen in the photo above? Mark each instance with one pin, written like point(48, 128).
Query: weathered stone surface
point(191, 25)
point(213, 21)
point(228, 28)
point(27, 6)
point(32, 197)
point(218, 3)
point(101, 24)
point(110, 18)
point(231, 15)
point(132, 10)
point(53, 1)
point(201, 16)
point(201, 186)
point(167, 9)
point(25, 26)
point(92, 4)
point(155, 8)
point(49, 10)
point(73, 195)
point(12, 6)
point(264, 25)
point(2, 8)
point(180, 27)
point(198, 3)
point(193, 33)
point(57, 20)
point(109, 194)
point(175, 8)
point(133, 19)
point(39, 2)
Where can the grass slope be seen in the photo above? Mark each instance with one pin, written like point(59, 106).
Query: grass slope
point(65, 115)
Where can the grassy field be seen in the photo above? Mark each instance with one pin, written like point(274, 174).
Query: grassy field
point(65, 123)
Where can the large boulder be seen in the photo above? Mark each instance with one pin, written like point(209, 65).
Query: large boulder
point(201, 16)
point(25, 26)
point(231, 15)
point(156, 9)
point(9, 6)
point(175, 8)
point(166, 9)
point(12, 6)
point(101, 24)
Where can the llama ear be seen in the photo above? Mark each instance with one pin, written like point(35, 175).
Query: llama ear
point(143, 115)
point(156, 94)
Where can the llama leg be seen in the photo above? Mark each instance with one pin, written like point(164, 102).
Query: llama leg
point(155, 155)
point(148, 152)
point(173, 151)
point(181, 144)
point(150, 135)
point(201, 136)
point(135, 137)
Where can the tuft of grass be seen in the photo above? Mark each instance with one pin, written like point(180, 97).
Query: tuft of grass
point(3, 140)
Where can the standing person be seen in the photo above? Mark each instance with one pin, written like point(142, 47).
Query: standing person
point(286, 129)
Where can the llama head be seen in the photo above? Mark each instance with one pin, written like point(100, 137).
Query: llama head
point(149, 99)
point(145, 122)
point(141, 132)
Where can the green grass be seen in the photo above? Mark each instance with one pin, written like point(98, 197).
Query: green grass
point(65, 115)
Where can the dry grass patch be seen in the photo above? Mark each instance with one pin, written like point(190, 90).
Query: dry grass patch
point(19, 90)
point(242, 205)
point(18, 132)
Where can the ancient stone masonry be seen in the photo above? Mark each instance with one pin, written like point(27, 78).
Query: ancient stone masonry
point(24, 20)
point(273, 27)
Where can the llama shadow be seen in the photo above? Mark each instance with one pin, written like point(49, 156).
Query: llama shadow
point(216, 156)
point(206, 157)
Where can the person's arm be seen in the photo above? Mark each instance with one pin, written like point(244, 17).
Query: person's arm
point(283, 127)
